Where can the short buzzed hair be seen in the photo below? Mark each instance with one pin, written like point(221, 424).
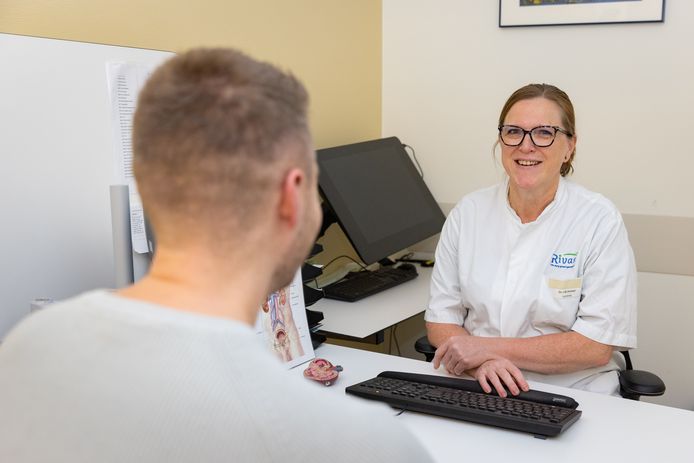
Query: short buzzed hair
point(213, 131)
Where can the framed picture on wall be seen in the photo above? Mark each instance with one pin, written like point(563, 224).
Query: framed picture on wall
point(514, 13)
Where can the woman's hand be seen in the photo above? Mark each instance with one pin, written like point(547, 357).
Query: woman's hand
point(461, 353)
point(500, 372)
point(549, 354)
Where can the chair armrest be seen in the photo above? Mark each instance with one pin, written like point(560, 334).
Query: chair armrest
point(423, 346)
point(636, 383)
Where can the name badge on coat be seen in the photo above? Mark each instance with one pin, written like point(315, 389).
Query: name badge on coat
point(565, 289)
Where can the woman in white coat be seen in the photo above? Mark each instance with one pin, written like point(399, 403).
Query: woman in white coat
point(534, 277)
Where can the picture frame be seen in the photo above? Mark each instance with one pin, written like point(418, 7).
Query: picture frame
point(520, 13)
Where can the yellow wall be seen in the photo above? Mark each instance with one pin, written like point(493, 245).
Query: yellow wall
point(333, 46)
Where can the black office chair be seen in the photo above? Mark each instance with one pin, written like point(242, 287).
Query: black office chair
point(633, 383)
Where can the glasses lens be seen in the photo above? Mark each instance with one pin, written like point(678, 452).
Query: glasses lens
point(511, 135)
point(543, 136)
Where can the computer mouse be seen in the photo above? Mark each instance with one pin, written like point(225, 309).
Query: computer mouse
point(407, 267)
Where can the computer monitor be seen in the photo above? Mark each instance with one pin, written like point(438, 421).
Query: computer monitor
point(380, 199)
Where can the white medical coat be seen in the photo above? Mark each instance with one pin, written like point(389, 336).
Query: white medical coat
point(572, 269)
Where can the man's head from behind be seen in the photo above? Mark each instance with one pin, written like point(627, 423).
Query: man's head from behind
point(221, 144)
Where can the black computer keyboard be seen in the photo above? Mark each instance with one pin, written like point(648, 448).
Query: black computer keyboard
point(539, 413)
point(358, 285)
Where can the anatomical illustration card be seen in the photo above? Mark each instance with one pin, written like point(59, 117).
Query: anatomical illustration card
point(282, 322)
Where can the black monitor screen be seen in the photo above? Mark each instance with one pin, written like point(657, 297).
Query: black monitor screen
point(378, 196)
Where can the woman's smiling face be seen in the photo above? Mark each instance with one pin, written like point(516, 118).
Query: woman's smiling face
point(529, 167)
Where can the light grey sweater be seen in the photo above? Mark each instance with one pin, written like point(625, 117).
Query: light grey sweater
point(100, 378)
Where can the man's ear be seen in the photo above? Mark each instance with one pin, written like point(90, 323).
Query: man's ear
point(290, 204)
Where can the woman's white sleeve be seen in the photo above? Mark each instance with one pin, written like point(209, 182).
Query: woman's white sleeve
point(445, 304)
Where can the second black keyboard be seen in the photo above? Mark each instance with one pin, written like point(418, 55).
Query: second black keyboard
point(536, 412)
point(358, 285)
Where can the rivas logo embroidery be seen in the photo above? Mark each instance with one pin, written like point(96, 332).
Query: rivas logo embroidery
point(565, 260)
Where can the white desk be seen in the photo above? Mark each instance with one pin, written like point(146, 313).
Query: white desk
point(611, 429)
point(375, 313)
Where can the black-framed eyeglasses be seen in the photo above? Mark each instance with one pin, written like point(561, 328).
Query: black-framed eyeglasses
point(542, 136)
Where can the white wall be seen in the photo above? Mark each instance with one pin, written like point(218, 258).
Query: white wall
point(666, 320)
point(448, 68)
point(57, 150)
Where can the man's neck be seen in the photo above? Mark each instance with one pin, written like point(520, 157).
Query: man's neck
point(203, 285)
